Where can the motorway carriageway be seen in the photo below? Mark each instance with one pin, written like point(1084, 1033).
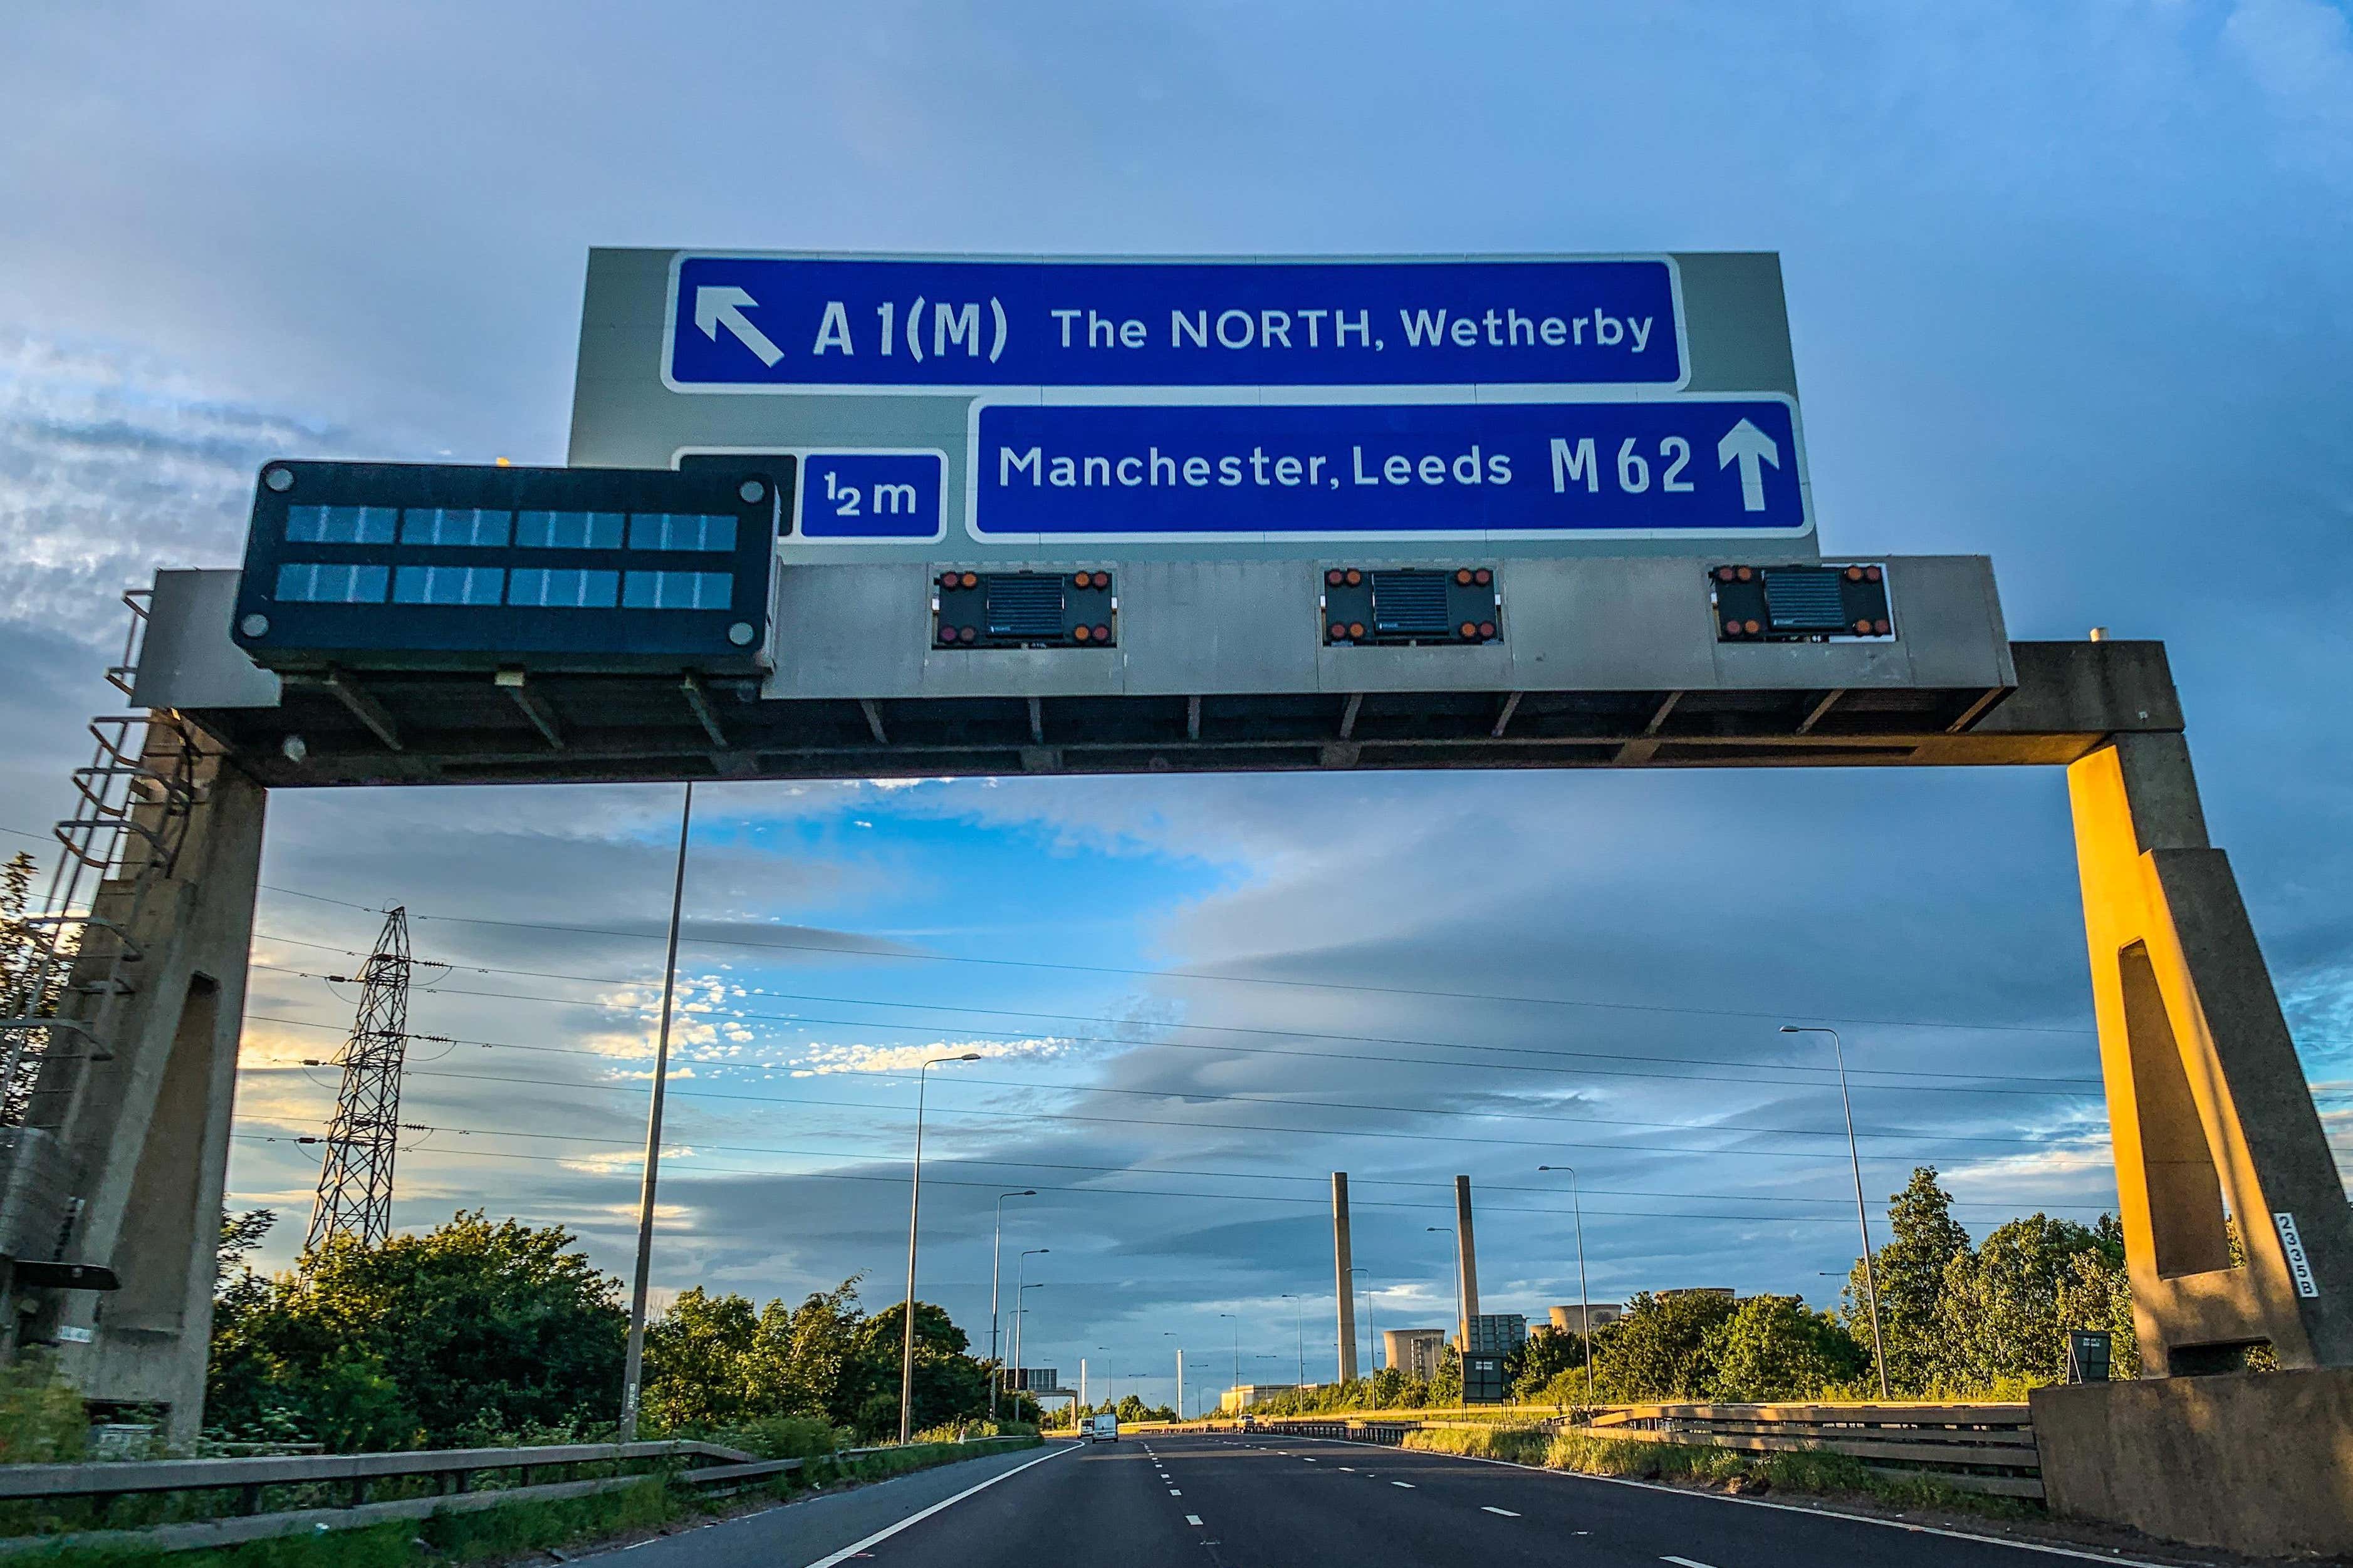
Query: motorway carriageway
point(1259, 1501)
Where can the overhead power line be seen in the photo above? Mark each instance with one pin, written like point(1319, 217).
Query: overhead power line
point(2058, 1085)
point(1209, 978)
point(1155, 1193)
point(1165, 1122)
point(1912, 1134)
point(700, 1144)
point(739, 1013)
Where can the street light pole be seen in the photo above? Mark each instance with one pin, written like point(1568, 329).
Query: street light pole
point(1368, 1310)
point(997, 1267)
point(1449, 1230)
point(1301, 1310)
point(1584, 1293)
point(1021, 1267)
point(1170, 1334)
point(914, 1210)
point(633, 1360)
point(1862, 1215)
point(1238, 1362)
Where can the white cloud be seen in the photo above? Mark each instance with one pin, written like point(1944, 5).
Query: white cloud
point(110, 464)
point(826, 1059)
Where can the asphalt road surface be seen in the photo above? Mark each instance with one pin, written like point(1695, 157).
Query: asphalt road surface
point(1218, 1501)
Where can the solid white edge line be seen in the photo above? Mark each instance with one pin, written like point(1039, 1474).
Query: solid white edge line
point(1777, 1507)
point(885, 1533)
point(1686, 1562)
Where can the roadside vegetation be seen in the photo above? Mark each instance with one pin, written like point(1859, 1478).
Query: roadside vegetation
point(525, 1525)
point(1820, 1474)
point(1987, 1320)
point(482, 1334)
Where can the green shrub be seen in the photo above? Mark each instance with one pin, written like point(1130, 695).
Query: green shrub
point(779, 1437)
point(41, 1417)
point(1519, 1445)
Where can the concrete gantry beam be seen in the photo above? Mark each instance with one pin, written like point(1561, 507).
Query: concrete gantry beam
point(146, 1130)
point(2208, 1106)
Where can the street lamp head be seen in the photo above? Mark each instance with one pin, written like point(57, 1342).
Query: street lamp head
point(969, 1057)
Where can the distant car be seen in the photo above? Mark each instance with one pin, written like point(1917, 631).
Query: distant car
point(1099, 1429)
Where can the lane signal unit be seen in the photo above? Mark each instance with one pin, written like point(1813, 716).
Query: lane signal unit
point(1805, 603)
point(974, 609)
point(1456, 607)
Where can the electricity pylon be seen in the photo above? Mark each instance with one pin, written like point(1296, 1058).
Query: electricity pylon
point(355, 1179)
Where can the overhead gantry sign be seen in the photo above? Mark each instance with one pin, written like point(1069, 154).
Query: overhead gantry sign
point(1560, 520)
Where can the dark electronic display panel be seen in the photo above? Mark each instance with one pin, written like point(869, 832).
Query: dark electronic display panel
point(1024, 609)
point(1800, 603)
point(1446, 606)
point(1482, 1379)
point(434, 566)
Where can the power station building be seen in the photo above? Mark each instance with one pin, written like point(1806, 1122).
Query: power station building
point(1414, 1351)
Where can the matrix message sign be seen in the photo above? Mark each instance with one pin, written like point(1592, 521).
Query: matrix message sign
point(1579, 402)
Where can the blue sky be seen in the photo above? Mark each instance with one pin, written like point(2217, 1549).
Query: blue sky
point(2067, 285)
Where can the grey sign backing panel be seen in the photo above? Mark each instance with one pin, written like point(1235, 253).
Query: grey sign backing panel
point(1733, 325)
point(1234, 626)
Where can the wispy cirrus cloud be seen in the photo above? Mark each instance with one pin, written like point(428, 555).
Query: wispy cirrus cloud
point(111, 463)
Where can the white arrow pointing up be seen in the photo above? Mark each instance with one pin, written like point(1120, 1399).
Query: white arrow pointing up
point(716, 308)
point(1748, 443)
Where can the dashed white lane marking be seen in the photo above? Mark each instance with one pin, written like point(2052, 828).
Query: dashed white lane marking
point(1408, 1485)
point(1350, 1468)
point(1507, 1513)
point(1685, 1562)
point(1174, 1492)
point(1192, 1519)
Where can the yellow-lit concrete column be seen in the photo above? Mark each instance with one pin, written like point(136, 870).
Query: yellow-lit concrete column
point(2208, 1106)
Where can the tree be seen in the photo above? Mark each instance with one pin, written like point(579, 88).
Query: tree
point(948, 1383)
point(1772, 1347)
point(1545, 1357)
point(2002, 1318)
point(703, 1364)
point(471, 1330)
point(1660, 1348)
point(2097, 1295)
point(25, 987)
point(1445, 1383)
point(1910, 1274)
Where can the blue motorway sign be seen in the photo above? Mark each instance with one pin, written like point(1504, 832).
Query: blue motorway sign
point(757, 323)
point(1651, 467)
point(872, 495)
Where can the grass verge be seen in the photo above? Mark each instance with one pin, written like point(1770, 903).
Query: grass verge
point(1820, 1474)
point(511, 1529)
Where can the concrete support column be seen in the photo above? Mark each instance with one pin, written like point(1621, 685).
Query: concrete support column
point(1344, 1271)
point(1466, 1261)
point(146, 1133)
point(2206, 1102)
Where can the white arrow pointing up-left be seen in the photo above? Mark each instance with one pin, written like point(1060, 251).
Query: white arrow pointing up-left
point(716, 308)
point(1747, 444)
